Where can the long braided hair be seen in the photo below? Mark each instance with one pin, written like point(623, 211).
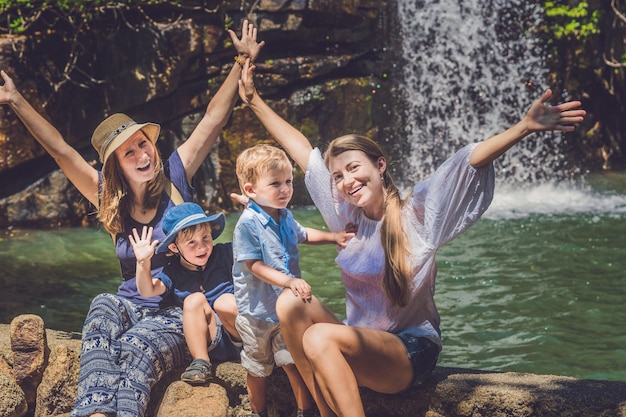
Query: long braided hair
point(397, 274)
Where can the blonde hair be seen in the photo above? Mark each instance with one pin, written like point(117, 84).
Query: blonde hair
point(116, 197)
point(188, 232)
point(398, 269)
point(257, 160)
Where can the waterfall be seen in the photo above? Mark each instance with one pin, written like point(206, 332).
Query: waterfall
point(471, 69)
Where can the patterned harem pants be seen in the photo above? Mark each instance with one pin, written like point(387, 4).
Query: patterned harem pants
point(125, 350)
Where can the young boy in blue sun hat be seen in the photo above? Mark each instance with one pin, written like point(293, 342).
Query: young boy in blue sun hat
point(200, 279)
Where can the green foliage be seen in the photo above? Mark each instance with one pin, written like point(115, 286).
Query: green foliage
point(17, 24)
point(68, 4)
point(228, 24)
point(571, 22)
point(19, 14)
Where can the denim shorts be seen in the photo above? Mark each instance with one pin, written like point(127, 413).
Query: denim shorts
point(423, 354)
point(222, 348)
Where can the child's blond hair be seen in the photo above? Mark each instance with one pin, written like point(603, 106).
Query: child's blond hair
point(254, 162)
point(188, 232)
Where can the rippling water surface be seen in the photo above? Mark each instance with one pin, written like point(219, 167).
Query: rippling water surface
point(537, 285)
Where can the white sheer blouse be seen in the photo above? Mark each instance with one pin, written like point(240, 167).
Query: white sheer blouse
point(439, 209)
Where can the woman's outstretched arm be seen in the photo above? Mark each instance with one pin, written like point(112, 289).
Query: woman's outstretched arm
point(195, 149)
point(540, 117)
point(290, 138)
point(76, 168)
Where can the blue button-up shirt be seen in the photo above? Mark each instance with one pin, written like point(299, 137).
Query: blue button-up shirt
point(257, 236)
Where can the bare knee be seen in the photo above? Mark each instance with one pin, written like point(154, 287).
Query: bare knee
point(226, 305)
point(195, 302)
point(318, 340)
point(288, 307)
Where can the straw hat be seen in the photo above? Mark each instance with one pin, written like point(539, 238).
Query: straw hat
point(113, 131)
point(184, 215)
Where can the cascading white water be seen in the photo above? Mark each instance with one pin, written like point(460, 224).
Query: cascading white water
point(471, 69)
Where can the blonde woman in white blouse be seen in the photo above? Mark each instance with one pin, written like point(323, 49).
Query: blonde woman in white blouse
point(390, 339)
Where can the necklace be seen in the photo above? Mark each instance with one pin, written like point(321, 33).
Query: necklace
point(143, 214)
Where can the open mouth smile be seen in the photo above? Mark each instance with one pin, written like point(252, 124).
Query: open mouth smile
point(356, 190)
point(144, 167)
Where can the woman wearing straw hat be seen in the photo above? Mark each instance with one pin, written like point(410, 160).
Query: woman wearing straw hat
point(130, 342)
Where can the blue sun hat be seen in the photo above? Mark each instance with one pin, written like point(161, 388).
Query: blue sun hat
point(184, 215)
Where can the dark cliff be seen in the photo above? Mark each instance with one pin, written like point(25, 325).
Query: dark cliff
point(325, 67)
point(329, 67)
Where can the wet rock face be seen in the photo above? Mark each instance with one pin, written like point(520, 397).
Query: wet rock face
point(324, 67)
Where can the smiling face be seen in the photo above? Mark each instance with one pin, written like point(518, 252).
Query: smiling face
point(358, 180)
point(195, 246)
point(272, 190)
point(137, 158)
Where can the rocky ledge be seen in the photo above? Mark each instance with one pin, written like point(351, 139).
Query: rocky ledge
point(39, 373)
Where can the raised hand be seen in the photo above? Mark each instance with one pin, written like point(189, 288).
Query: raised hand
point(143, 246)
point(542, 117)
point(7, 90)
point(246, 83)
point(247, 45)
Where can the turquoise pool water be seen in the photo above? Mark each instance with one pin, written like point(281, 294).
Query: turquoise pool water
point(537, 285)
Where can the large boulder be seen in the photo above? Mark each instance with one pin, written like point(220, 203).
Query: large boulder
point(57, 392)
point(30, 353)
point(183, 399)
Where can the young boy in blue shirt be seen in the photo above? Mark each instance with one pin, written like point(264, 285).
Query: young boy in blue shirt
point(265, 247)
point(200, 278)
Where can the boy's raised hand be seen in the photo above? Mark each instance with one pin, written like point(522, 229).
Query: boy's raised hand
point(142, 245)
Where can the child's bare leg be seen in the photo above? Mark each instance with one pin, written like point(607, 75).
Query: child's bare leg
point(257, 390)
point(300, 390)
point(199, 325)
point(226, 308)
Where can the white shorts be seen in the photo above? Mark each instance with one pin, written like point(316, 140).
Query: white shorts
point(263, 345)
